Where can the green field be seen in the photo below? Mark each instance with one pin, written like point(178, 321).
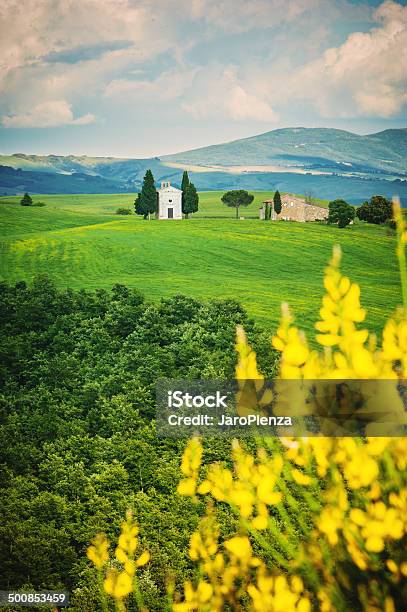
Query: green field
point(79, 242)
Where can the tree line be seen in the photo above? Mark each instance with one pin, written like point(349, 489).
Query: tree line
point(377, 210)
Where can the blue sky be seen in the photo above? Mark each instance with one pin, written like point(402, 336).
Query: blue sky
point(136, 78)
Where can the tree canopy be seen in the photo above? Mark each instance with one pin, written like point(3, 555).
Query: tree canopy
point(378, 210)
point(341, 213)
point(237, 198)
point(77, 435)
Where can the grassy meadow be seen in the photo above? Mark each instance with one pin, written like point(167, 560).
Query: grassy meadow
point(79, 241)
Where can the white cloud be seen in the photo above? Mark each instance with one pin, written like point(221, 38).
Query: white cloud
point(145, 53)
point(36, 33)
point(167, 86)
point(365, 76)
point(207, 92)
point(243, 15)
point(47, 114)
point(219, 93)
point(34, 29)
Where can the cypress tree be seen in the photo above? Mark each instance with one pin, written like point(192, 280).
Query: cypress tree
point(184, 187)
point(146, 202)
point(191, 200)
point(138, 207)
point(26, 200)
point(277, 202)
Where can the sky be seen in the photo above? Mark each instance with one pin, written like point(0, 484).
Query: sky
point(142, 78)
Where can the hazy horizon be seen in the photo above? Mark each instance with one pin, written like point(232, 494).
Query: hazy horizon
point(56, 153)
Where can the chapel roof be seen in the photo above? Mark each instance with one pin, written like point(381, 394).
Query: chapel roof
point(166, 186)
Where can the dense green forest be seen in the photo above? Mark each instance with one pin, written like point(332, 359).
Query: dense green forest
point(77, 430)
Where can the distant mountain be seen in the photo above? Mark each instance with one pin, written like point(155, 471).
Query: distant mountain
point(329, 163)
point(309, 149)
point(395, 140)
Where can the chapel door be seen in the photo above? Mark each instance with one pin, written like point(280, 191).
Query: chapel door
point(170, 213)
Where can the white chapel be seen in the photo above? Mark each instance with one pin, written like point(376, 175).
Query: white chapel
point(169, 202)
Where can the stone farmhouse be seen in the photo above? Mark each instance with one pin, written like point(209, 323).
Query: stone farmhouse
point(295, 209)
point(169, 202)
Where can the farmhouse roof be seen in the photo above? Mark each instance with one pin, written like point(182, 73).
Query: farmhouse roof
point(290, 198)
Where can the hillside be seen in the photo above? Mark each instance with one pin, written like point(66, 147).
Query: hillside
point(395, 139)
point(79, 242)
point(325, 162)
point(18, 181)
point(322, 149)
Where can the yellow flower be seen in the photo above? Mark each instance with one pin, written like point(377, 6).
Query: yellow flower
point(357, 516)
point(199, 599)
point(204, 591)
point(301, 478)
point(389, 605)
point(275, 593)
point(143, 558)
point(260, 522)
point(246, 368)
point(118, 584)
point(239, 547)
point(192, 457)
point(98, 552)
point(395, 342)
point(121, 555)
point(374, 543)
point(128, 537)
point(187, 487)
point(330, 521)
point(265, 491)
point(360, 470)
point(190, 465)
point(204, 542)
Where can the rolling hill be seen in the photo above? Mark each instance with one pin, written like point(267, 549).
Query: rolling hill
point(321, 149)
point(79, 242)
point(329, 163)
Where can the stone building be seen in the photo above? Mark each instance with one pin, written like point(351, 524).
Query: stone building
point(294, 208)
point(169, 202)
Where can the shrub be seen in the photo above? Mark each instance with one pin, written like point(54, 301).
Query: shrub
point(26, 200)
point(123, 211)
